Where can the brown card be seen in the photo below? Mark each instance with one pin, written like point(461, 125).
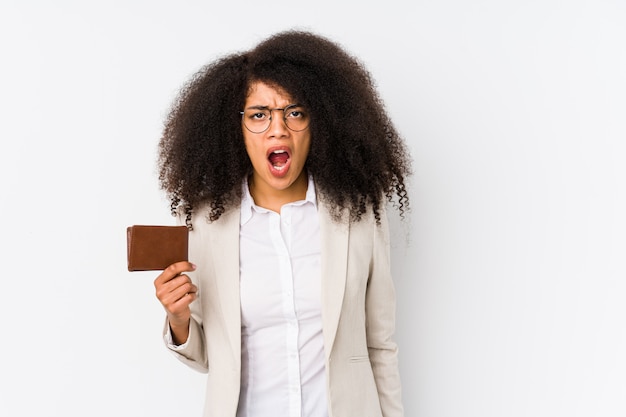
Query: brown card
point(153, 248)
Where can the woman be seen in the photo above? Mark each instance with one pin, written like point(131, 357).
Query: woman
point(281, 160)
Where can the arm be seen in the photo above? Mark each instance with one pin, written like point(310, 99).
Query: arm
point(183, 333)
point(175, 291)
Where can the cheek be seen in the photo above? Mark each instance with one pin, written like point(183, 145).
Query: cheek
point(304, 150)
point(304, 156)
point(255, 153)
point(249, 145)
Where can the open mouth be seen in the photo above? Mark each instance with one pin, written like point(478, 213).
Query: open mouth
point(279, 159)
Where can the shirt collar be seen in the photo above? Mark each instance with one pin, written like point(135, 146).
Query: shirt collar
point(247, 202)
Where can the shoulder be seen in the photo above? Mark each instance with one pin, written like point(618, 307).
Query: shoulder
point(200, 217)
point(347, 215)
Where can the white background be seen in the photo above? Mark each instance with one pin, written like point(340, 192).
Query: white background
point(511, 284)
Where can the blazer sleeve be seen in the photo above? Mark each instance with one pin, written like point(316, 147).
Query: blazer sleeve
point(193, 352)
point(380, 323)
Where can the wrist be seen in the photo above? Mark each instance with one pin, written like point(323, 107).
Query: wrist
point(179, 332)
point(178, 324)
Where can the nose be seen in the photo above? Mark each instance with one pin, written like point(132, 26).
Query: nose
point(278, 127)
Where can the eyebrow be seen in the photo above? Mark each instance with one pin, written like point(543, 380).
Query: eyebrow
point(259, 107)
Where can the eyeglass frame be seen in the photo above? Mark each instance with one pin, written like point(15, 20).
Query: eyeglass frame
point(242, 113)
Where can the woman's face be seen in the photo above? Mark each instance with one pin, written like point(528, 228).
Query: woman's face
point(278, 154)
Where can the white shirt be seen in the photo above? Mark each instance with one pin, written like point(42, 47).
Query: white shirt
point(282, 359)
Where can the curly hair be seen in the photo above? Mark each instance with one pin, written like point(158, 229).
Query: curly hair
point(357, 158)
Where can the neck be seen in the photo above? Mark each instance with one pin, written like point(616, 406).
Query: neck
point(273, 199)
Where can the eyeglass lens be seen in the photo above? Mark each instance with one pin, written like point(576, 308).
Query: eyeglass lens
point(258, 120)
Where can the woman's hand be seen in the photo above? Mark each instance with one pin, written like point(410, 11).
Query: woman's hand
point(176, 291)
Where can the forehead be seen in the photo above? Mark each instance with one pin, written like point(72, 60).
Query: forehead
point(263, 93)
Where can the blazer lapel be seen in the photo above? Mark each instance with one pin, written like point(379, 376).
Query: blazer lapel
point(224, 245)
point(334, 241)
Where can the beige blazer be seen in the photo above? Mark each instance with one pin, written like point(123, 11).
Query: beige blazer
point(358, 314)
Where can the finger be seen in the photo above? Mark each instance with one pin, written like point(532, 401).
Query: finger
point(175, 289)
point(180, 284)
point(172, 271)
point(184, 301)
point(177, 306)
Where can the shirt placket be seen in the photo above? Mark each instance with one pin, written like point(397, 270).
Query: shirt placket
point(280, 232)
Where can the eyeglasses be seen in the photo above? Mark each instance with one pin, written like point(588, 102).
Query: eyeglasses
point(258, 119)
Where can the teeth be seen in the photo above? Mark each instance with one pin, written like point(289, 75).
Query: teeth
point(279, 151)
point(278, 168)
